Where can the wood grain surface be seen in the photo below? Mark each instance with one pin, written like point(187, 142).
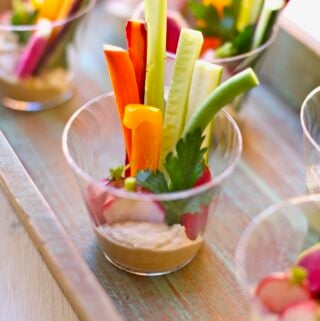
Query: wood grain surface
point(82, 290)
point(28, 291)
point(271, 169)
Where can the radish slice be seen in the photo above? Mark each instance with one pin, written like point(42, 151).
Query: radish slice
point(95, 197)
point(195, 223)
point(310, 260)
point(303, 311)
point(276, 292)
point(118, 210)
point(34, 49)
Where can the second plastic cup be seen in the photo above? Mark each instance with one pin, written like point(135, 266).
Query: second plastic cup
point(35, 60)
point(272, 243)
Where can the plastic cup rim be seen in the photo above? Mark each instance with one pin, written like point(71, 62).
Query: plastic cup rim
point(302, 120)
point(243, 55)
point(148, 197)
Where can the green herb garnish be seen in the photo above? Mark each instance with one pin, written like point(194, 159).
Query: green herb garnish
point(22, 14)
point(183, 169)
point(186, 165)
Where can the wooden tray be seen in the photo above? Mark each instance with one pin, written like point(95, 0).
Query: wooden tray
point(86, 295)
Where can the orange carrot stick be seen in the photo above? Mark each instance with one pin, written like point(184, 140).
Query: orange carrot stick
point(136, 34)
point(124, 84)
point(146, 125)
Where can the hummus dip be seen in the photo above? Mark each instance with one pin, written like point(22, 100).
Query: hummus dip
point(145, 247)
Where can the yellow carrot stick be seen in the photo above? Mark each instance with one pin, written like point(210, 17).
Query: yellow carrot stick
point(63, 13)
point(146, 125)
point(50, 9)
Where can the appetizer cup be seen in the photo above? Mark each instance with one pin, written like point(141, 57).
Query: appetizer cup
point(272, 244)
point(35, 71)
point(310, 121)
point(133, 228)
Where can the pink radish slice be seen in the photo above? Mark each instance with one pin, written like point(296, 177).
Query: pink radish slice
point(118, 210)
point(96, 197)
point(175, 22)
point(310, 260)
point(276, 292)
point(195, 223)
point(303, 311)
point(34, 49)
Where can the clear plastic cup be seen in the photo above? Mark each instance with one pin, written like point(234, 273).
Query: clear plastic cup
point(310, 121)
point(272, 243)
point(131, 226)
point(35, 60)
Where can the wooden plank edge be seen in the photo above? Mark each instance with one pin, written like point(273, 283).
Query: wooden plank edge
point(84, 292)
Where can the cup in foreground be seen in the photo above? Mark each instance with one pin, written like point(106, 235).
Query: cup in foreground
point(268, 255)
point(140, 232)
point(310, 121)
point(35, 72)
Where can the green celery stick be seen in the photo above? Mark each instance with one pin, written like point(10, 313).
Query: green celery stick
point(220, 97)
point(266, 21)
point(188, 51)
point(206, 77)
point(156, 18)
point(248, 13)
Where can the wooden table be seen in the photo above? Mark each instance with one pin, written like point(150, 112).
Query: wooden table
point(271, 169)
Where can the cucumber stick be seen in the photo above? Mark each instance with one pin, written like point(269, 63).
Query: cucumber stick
point(156, 18)
point(206, 77)
point(189, 46)
point(268, 16)
point(221, 96)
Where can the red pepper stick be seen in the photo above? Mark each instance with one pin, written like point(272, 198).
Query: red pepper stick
point(137, 47)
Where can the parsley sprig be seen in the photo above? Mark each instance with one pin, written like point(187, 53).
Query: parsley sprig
point(183, 168)
point(211, 24)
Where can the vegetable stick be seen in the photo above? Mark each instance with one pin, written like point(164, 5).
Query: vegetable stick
point(220, 97)
point(156, 17)
point(190, 43)
point(146, 125)
point(58, 34)
point(66, 7)
point(137, 47)
point(34, 50)
point(50, 9)
point(248, 13)
point(124, 84)
point(266, 21)
point(206, 78)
